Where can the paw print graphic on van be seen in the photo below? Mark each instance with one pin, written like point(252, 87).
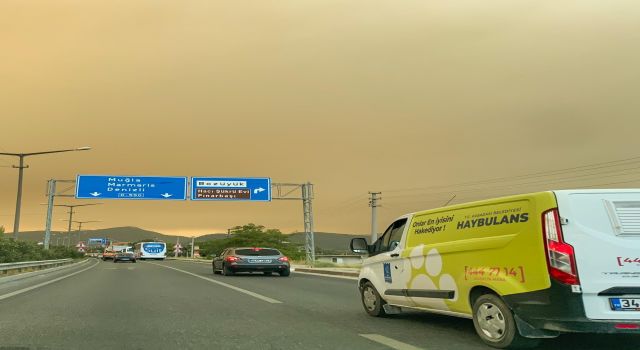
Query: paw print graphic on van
point(427, 277)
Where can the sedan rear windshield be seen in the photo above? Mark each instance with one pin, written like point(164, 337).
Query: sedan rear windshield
point(257, 252)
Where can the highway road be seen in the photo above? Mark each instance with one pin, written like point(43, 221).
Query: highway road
point(182, 305)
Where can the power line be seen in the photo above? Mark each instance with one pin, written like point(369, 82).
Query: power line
point(593, 166)
point(406, 204)
point(545, 181)
point(347, 204)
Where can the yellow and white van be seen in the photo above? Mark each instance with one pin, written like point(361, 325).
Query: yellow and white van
point(523, 267)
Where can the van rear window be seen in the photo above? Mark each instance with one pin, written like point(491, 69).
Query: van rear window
point(257, 252)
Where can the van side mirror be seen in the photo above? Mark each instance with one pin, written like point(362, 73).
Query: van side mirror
point(359, 246)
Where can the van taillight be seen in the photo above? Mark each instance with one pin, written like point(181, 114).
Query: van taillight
point(560, 256)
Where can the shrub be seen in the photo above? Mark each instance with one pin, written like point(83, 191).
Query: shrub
point(15, 251)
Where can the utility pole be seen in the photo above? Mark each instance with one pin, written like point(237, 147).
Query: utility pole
point(192, 243)
point(16, 221)
point(373, 203)
point(51, 191)
point(21, 167)
point(71, 206)
point(80, 225)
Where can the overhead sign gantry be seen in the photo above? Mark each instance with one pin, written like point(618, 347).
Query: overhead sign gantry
point(254, 189)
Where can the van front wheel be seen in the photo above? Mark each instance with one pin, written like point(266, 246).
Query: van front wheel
point(371, 300)
point(496, 326)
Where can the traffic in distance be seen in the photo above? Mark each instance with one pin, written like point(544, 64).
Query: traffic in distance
point(124, 251)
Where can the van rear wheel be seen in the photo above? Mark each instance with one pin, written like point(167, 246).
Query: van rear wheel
point(496, 326)
point(371, 300)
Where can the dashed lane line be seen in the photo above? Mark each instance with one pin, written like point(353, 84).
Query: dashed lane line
point(24, 290)
point(237, 289)
point(392, 343)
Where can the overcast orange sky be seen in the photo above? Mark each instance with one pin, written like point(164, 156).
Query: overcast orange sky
point(434, 97)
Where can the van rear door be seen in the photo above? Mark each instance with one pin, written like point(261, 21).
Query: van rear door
point(603, 226)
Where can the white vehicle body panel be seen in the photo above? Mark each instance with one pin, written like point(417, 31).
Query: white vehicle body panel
point(603, 226)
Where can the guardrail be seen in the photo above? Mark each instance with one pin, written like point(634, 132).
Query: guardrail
point(8, 269)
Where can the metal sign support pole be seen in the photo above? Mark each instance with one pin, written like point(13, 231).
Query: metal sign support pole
point(289, 191)
point(307, 197)
point(51, 191)
point(69, 229)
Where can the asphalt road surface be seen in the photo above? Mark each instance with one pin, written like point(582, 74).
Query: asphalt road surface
point(182, 305)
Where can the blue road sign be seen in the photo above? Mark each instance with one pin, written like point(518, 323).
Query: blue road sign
point(102, 241)
point(131, 187)
point(231, 189)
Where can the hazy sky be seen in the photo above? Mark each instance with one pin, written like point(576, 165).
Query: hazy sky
point(350, 95)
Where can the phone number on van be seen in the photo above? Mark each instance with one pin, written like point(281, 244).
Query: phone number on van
point(494, 273)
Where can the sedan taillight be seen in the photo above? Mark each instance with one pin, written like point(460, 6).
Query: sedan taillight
point(231, 259)
point(283, 259)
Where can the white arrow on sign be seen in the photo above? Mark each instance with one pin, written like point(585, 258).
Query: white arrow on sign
point(95, 194)
point(166, 195)
point(258, 190)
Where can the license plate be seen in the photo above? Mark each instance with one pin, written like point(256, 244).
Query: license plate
point(259, 261)
point(625, 304)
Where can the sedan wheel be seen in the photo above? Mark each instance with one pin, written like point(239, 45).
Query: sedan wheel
point(226, 271)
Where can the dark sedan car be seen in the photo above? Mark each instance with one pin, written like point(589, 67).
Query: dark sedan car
point(124, 256)
point(265, 260)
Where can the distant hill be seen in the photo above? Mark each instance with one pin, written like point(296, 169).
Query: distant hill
point(332, 242)
point(124, 234)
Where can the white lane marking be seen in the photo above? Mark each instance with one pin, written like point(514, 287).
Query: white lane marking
point(326, 275)
point(9, 295)
point(238, 289)
point(293, 269)
point(392, 343)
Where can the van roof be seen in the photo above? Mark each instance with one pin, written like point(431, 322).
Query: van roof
point(478, 202)
point(516, 196)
